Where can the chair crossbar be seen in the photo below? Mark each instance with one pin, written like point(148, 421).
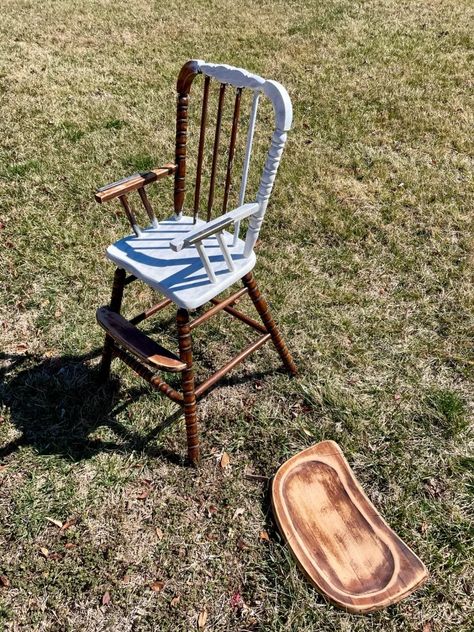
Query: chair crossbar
point(150, 376)
point(215, 377)
point(220, 305)
point(241, 316)
point(150, 311)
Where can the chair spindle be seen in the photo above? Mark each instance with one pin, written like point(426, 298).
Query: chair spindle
point(181, 137)
point(233, 138)
point(210, 200)
point(248, 153)
point(148, 208)
point(202, 137)
point(130, 215)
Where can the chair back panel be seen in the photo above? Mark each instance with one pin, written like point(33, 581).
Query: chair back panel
point(239, 79)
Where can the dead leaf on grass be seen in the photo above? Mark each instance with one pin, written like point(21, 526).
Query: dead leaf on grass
point(70, 545)
point(225, 460)
point(238, 512)
point(175, 601)
point(58, 523)
point(157, 586)
point(427, 627)
point(202, 618)
point(44, 551)
point(159, 533)
point(4, 581)
point(106, 599)
point(263, 535)
point(68, 524)
point(143, 494)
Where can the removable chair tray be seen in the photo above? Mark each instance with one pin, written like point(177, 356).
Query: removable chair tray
point(339, 539)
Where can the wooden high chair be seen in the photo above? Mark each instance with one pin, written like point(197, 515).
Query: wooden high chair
point(190, 261)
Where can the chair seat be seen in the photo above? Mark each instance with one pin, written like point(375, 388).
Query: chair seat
point(180, 276)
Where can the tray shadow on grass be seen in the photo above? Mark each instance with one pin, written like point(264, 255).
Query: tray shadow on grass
point(57, 403)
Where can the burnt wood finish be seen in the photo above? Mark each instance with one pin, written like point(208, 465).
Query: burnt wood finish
point(233, 139)
point(132, 183)
point(343, 545)
point(187, 382)
point(202, 138)
point(215, 152)
point(128, 336)
point(262, 308)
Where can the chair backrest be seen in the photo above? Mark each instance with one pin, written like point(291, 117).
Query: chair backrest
point(239, 79)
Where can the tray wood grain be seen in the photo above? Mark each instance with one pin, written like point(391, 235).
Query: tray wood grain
point(338, 538)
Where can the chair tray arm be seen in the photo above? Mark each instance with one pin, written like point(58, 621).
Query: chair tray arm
point(132, 183)
point(203, 231)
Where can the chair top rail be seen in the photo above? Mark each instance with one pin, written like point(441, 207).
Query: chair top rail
point(241, 78)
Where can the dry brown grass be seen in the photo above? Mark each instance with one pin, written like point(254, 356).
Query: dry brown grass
point(366, 257)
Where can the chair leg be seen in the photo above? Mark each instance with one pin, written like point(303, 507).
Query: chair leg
point(187, 380)
point(262, 308)
point(115, 306)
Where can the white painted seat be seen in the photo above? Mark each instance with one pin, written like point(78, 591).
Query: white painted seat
point(180, 276)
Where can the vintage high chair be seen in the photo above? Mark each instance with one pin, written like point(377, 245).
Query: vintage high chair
point(191, 261)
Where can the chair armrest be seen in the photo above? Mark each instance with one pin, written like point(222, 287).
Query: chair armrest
point(214, 226)
point(133, 182)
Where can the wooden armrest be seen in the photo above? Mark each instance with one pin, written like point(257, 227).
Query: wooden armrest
point(214, 226)
point(133, 182)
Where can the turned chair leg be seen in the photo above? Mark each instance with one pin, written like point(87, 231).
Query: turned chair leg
point(115, 306)
point(187, 381)
point(262, 308)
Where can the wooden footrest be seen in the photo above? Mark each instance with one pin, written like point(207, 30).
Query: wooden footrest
point(131, 338)
point(340, 541)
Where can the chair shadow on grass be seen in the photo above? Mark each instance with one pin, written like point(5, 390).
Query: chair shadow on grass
point(57, 403)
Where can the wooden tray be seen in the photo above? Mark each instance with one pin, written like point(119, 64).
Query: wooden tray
point(340, 541)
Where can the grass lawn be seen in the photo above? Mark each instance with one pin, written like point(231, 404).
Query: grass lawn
point(366, 256)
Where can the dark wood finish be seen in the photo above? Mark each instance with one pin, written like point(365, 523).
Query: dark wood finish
point(233, 139)
point(150, 311)
point(128, 211)
point(215, 152)
point(115, 306)
point(138, 343)
point(338, 538)
point(146, 204)
point(206, 385)
point(241, 316)
point(147, 374)
point(181, 139)
point(262, 308)
point(202, 137)
point(132, 183)
point(187, 381)
point(218, 306)
point(186, 76)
